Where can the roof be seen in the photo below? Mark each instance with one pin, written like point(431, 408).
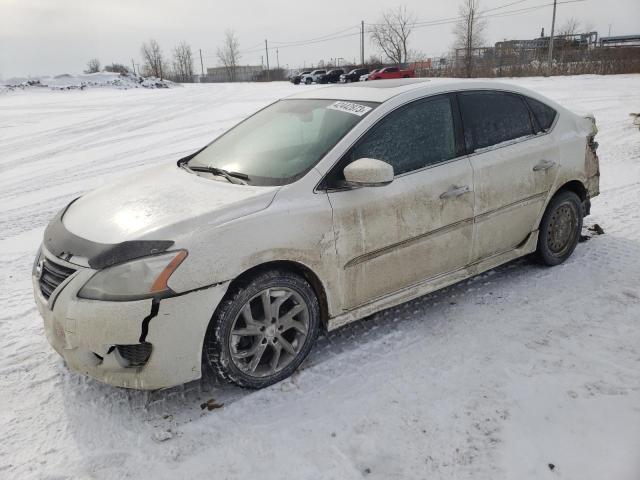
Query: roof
point(383, 90)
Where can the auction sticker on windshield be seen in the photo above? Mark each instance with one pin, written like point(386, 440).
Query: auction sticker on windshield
point(350, 107)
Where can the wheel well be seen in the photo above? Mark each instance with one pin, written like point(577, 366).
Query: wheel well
point(293, 267)
point(576, 187)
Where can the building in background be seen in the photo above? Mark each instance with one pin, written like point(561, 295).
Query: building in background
point(243, 73)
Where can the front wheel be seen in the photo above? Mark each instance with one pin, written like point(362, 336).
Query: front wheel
point(560, 228)
point(263, 330)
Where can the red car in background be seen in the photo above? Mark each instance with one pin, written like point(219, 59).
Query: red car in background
point(391, 72)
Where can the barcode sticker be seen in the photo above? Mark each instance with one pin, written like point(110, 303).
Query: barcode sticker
point(350, 107)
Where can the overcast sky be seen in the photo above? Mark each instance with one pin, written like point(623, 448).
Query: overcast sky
point(58, 36)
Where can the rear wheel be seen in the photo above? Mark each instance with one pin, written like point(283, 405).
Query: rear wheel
point(560, 228)
point(263, 330)
point(308, 81)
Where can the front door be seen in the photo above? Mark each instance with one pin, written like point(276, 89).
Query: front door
point(419, 226)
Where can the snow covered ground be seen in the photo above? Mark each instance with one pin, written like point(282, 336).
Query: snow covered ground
point(524, 372)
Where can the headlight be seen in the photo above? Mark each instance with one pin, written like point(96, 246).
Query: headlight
point(142, 278)
point(36, 262)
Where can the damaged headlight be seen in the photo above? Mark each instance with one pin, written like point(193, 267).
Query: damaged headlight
point(145, 277)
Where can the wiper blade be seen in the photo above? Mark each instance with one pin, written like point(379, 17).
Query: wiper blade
point(232, 177)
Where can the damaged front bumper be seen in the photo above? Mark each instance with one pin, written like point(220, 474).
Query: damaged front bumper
point(144, 344)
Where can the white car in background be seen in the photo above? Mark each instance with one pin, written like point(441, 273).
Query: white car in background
point(312, 77)
point(318, 210)
point(365, 77)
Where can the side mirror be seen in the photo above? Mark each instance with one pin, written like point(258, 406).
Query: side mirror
point(368, 172)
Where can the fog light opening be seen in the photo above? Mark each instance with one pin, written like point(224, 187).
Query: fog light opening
point(136, 355)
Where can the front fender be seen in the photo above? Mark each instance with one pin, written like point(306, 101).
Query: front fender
point(293, 228)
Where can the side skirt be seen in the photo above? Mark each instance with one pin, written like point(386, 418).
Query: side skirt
point(434, 283)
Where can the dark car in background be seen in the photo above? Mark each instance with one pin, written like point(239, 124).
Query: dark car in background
point(295, 77)
point(332, 76)
point(353, 75)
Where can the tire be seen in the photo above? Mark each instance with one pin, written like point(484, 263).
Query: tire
point(560, 228)
point(308, 81)
point(406, 76)
point(292, 335)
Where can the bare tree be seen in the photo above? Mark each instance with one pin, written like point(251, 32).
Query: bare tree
point(571, 26)
point(374, 60)
point(391, 33)
point(469, 30)
point(153, 59)
point(229, 54)
point(93, 66)
point(183, 62)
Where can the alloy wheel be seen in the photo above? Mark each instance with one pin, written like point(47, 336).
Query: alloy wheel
point(269, 331)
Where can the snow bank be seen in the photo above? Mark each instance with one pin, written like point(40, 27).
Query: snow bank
point(83, 81)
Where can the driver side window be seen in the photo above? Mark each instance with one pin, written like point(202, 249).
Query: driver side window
point(412, 137)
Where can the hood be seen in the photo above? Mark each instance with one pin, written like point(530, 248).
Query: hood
point(160, 204)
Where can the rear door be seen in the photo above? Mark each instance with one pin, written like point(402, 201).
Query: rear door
point(419, 226)
point(513, 169)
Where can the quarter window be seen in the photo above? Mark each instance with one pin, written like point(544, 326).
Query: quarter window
point(545, 115)
point(490, 118)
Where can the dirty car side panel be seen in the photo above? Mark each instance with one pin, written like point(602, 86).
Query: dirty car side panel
point(393, 236)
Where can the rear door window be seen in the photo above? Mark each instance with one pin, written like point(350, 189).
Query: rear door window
point(545, 115)
point(491, 118)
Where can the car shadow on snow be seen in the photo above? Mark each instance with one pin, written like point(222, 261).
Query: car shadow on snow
point(185, 402)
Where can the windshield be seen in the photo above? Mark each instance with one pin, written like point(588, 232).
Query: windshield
point(282, 142)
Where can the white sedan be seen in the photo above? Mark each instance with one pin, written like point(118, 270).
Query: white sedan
point(318, 210)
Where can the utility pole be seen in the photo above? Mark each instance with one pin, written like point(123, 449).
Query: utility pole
point(134, 66)
point(277, 59)
point(201, 63)
point(266, 50)
point(362, 43)
point(553, 26)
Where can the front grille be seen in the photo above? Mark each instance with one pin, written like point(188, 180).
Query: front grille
point(51, 276)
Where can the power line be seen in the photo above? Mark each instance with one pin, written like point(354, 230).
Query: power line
point(340, 34)
point(417, 22)
point(317, 38)
point(251, 48)
point(504, 6)
point(444, 21)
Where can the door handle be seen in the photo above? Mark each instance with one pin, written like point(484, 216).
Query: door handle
point(544, 165)
point(455, 192)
